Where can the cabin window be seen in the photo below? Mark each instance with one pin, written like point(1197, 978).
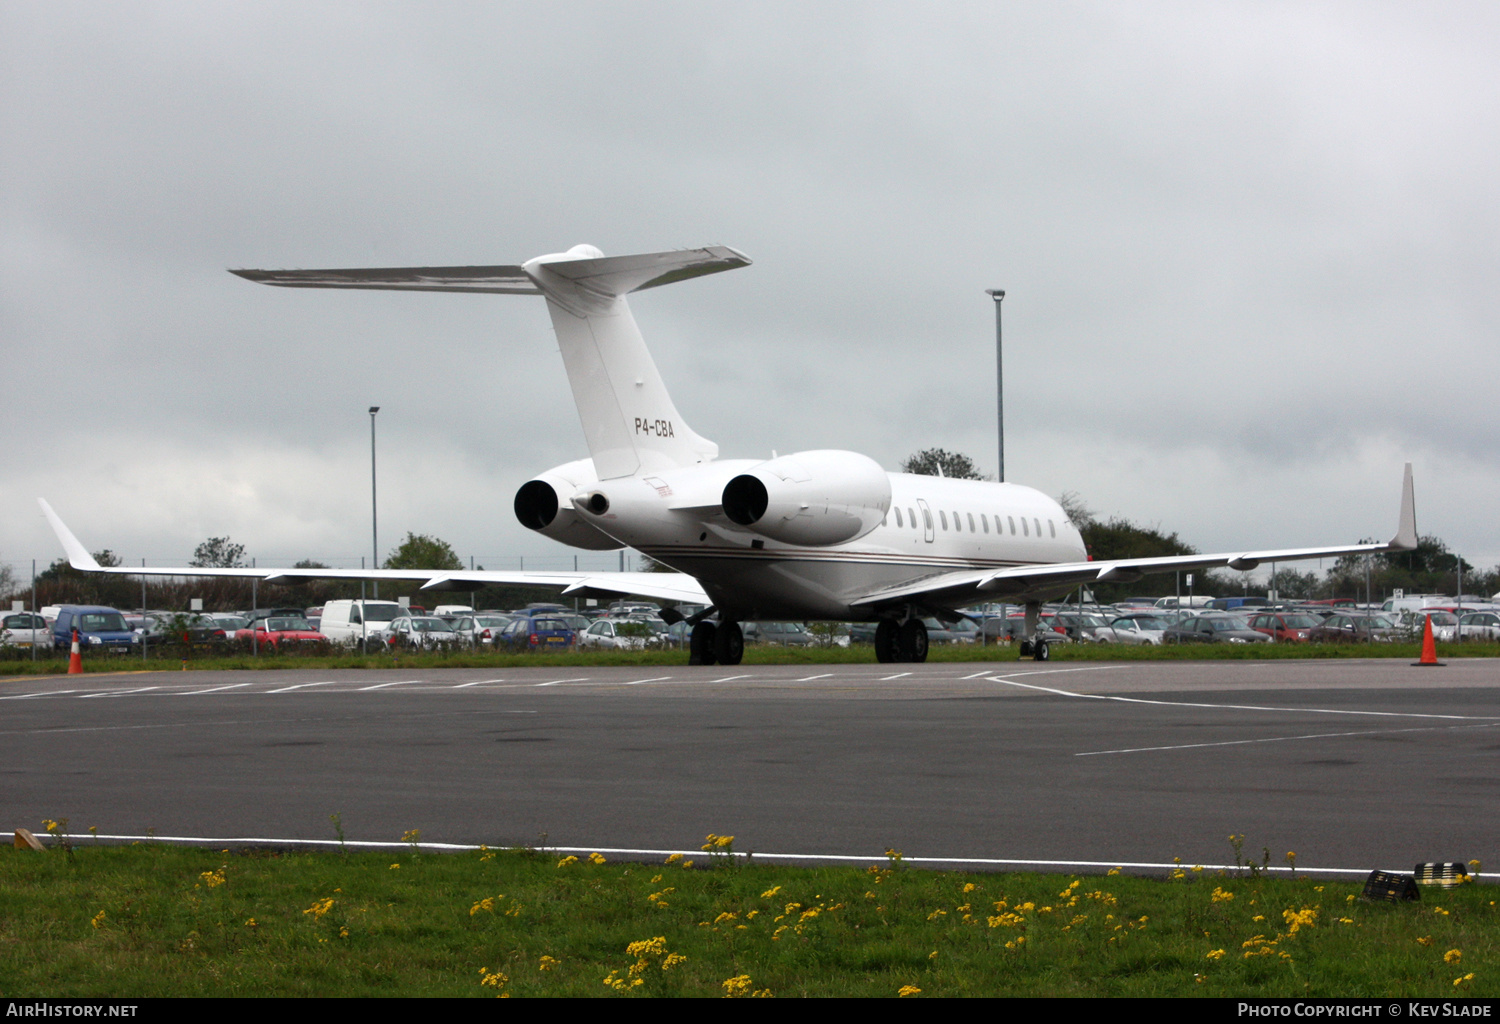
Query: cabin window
point(926, 515)
point(943, 517)
point(898, 518)
point(1051, 528)
point(958, 524)
point(912, 515)
point(1012, 525)
point(1024, 528)
point(985, 522)
point(1038, 524)
point(971, 522)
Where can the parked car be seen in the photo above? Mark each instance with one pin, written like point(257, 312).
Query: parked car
point(1284, 626)
point(24, 629)
point(1140, 628)
point(99, 628)
point(623, 634)
point(1213, 629)
point(421, 632)
point(787, 634)
point(1480, 626)
point(480, 630)
point(537, 632)
point(1351, 627)
point(282, 631)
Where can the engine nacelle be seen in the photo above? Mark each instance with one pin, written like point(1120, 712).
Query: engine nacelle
point(813, 498)
point(546, 506)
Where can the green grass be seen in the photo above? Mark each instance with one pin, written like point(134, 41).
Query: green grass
point(152, 920)
point(19, 663)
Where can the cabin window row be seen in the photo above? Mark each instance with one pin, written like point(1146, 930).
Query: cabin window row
point(982, 525)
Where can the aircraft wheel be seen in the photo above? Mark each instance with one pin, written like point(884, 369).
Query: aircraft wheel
point(701, 644)
point(887, 643)
point(729, 643)
point(1043, 651)
point(913, 640)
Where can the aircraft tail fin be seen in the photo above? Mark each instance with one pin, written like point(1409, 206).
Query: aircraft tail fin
point(628, 418)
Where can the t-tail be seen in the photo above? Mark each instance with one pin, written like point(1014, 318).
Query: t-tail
point(629, 419)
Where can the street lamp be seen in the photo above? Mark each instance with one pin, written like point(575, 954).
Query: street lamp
point(374, 537)
point(998, 295)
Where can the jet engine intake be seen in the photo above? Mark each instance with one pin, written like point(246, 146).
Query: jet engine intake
point(545, 505)
point(811, 498)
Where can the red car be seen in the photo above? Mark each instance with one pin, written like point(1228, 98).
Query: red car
point(1283, 626)
point(282, 629)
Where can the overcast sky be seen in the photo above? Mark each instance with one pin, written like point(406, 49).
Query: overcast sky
point(1249, 251)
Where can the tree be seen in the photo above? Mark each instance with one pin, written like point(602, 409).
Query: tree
point(419, 551)
point(930, 461)
point(218, 553)
point(1074, 508)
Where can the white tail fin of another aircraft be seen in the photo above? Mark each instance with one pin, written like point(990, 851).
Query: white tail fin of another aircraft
point(629, 420)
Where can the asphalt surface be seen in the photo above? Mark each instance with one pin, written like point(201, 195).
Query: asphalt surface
point(1352, 764)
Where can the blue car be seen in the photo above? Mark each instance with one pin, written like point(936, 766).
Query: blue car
point(99, 628)
point(537, 633)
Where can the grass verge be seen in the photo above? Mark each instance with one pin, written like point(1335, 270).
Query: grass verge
point(151, 920)
point(54, 664)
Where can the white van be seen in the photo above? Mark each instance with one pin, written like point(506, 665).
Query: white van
point(346, 622)
point(1186, 601)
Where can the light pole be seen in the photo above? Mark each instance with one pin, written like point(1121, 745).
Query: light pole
point(374, 536)
point(998, 294)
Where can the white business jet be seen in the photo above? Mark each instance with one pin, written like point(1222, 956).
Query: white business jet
point(815, 535)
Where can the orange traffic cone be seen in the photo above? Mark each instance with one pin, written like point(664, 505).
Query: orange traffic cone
point(75, 660)
point(1429, 647)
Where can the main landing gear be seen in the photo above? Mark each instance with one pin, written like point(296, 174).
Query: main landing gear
point(901, 641)
point(722, 644)
point(1032, 644)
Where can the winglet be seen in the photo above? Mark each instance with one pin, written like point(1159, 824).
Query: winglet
point(1406, 532)
point(78, 555)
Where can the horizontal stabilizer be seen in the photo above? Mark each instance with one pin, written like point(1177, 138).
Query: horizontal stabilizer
point(496, 280)
point(621, 275)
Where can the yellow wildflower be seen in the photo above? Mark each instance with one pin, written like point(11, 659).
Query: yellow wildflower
point(98, 920)
point(908, 990)
point(1453, 956)
point(566, 861)
point(596, 858)
point(738, 986)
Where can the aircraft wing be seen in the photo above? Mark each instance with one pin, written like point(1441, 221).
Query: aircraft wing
point(496, 280)
point(661, 586)
point(1042, 582)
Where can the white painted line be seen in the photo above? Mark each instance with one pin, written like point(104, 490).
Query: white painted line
point(1284, 739)
point(984, 862)
point(653, 679)
point(1244, 707)
point(976, 675)
point(580, 679)
point(726, 679)
point(118, 693)
point(808, 679)
point(900, 675)
point(212, 689)
point(299, 686)
point(477, 682)
point(382, 686)
point(47, 693)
